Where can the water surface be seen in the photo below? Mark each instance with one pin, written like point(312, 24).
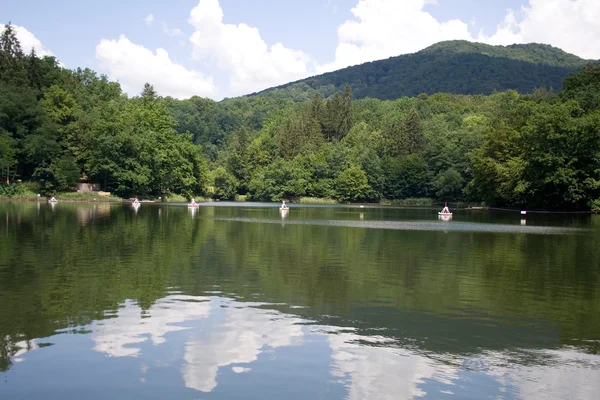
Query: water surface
point(239, 301)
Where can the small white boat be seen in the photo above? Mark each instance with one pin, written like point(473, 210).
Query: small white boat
point(136, 203)
point(52, 200)
point(445, 212)
point(284, 207)
point(193, 204)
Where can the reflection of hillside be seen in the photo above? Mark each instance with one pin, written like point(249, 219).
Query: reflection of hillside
point(505, 290)
point(459, 292)
point(56, 274)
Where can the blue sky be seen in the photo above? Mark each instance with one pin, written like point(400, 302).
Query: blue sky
point(219, 48)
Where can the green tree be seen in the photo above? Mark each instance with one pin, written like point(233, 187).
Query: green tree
point(406, 177)
point(238, 158)
point(280, 180)
point(317, 108)
point(413, 138)
point(12, 66)
point(34, 70)
point(353, 186)
point(7, 156)
point(300, 133)
point(584, 87)
point(225, 184)
point(448, 185)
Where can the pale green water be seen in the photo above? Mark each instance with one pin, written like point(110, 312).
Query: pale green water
point(236, 302)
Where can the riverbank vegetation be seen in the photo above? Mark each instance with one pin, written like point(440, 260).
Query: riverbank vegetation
point(60, 126)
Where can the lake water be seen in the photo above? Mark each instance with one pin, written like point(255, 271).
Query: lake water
point(99, 301)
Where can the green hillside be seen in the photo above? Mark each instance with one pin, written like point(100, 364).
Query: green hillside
point(458, 67)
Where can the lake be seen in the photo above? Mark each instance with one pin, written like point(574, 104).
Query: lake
point(236, 301)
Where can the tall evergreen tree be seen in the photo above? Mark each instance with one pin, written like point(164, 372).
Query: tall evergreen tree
point(345, 118)
point(149, 94)
point(413, 138)
point(12, 70)
point(34, 70)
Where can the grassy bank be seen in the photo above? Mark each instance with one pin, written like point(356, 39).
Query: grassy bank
point(177, 198)
point(408, 202)
point(316, 200)
point(91, 197)
point(23, 197)
point(17, 191)
point(29, 191)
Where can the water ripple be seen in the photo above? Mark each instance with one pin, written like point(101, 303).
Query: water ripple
point(418, 226)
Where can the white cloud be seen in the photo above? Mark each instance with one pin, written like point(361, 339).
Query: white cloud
point(385, 28)
point(29, 41)
point(379, 29)
point(171, 31)
point(149, 19)
point(252, 64)
point(571, 25)
point(133, 65)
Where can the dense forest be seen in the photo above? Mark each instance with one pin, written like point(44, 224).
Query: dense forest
point(458, 67)
point(58, 127)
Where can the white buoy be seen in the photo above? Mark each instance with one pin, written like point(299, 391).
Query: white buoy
point(362, 206)
point(523, 212)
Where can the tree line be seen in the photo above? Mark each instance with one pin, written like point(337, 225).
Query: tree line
point(60, 126)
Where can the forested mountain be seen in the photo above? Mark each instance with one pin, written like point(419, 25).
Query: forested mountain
point(58, 127)
point(458, 67)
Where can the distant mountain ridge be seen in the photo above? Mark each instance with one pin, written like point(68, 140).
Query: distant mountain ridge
point(458, 67)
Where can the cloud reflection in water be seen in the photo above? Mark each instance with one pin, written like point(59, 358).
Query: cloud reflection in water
point(220, 332)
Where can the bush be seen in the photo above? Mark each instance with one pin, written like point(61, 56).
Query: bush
point(595, 206)
point(11, 190)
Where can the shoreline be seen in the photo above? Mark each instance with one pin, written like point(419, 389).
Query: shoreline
point(300, 202)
